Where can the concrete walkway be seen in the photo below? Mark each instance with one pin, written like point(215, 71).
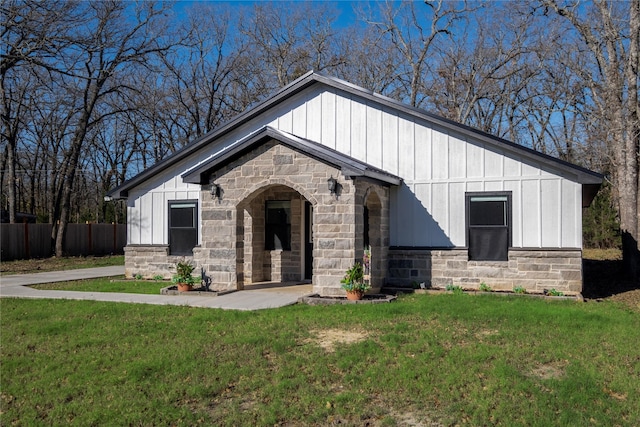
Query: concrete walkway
point(254, 298)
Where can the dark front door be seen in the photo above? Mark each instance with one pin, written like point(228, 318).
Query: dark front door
point(308, 240)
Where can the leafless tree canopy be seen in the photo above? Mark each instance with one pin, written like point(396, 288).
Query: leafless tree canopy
point(94, 92)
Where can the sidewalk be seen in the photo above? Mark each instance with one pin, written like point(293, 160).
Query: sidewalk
point(16, 286)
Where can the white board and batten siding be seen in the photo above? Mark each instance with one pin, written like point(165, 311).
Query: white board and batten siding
point(148, 206)
point(437, 167)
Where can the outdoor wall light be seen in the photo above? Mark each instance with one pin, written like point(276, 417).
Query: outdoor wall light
point(217, 191)
point(332, 184)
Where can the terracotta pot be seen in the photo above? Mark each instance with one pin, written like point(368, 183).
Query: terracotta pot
point(183, 287)
point(354, 295)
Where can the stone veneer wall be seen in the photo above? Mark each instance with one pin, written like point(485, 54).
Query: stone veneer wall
point(150, 261)
point(232, 250)
point(259, 265)
point(224, 254)
point(534, 270)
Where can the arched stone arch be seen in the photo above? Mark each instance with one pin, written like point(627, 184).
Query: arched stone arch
point(375, 232)
point(270, 182)
point(254, 261)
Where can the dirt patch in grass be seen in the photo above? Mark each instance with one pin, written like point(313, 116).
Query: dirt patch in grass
point(328, 338)
point(410, 419)
point(548, 371)
point(630, 298)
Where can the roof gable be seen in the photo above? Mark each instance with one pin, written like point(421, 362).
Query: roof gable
point(582, 175)
point(349, 166)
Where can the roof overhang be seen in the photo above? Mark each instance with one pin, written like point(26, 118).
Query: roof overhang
point(589, 192)
point(349, 166)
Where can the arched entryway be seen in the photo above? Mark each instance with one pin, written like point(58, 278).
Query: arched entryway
point(274, 236)
point(372, 238)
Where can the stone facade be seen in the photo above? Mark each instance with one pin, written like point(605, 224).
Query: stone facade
point(149, 261)
point(534, 270)
point(232, 251)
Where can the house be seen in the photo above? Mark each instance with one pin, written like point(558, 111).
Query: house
point(296, 187)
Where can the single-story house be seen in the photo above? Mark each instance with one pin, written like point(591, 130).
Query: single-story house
point(296, 187)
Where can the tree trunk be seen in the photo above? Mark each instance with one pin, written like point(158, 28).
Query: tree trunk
point(11, 179)
point(615, 91)
point(70, 169)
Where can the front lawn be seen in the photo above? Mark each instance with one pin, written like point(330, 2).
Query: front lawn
point(40, 265)
point(109, 284)
point(424, 360)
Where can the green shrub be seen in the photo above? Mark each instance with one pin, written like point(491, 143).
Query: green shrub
point(183, 273)
point(600, 224)
point(454, 288)
point(353, 280)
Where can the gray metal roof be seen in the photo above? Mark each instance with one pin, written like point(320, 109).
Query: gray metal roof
point(590, 180)
point(348, 165)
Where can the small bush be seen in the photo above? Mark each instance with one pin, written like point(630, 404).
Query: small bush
point(485, 288)
point(454, 288)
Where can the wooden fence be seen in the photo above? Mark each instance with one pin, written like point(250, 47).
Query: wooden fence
point(24, 241)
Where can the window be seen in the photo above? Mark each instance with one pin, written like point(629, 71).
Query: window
point(277, 225)
point(183, 231)
point(488, 226)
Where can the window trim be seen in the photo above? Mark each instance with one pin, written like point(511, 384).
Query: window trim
point(509, 209)
point(170, 205)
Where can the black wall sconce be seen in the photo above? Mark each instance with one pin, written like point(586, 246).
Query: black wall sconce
point(332, 184)
point(217, 191)
point(334, 187)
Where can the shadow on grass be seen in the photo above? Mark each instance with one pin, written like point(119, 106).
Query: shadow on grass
point(605, 278)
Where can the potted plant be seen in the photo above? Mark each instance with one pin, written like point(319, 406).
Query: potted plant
point(183, 277)
point(354, 283)
point(366, 259)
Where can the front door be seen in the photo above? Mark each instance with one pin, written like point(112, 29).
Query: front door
point(308, 240)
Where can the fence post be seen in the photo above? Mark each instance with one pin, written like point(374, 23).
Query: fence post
point(89, 237)
point(115, 237)
point(26, 241)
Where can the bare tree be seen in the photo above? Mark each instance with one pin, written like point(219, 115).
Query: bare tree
point(482, 77)
point(371, 62)
point(611, 33)
point(102, 54)
point(31, 33)
point(283, 43)
point(197, 79)
point(414, 30)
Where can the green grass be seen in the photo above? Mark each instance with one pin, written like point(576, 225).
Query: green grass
point(118, 284)
point(449, 359)
point(56, 264)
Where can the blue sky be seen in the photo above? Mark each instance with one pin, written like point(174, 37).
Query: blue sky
point(345, 8)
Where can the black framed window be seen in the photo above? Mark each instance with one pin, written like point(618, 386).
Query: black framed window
point(488, 225)
point(183, 226)
point(277, 225)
